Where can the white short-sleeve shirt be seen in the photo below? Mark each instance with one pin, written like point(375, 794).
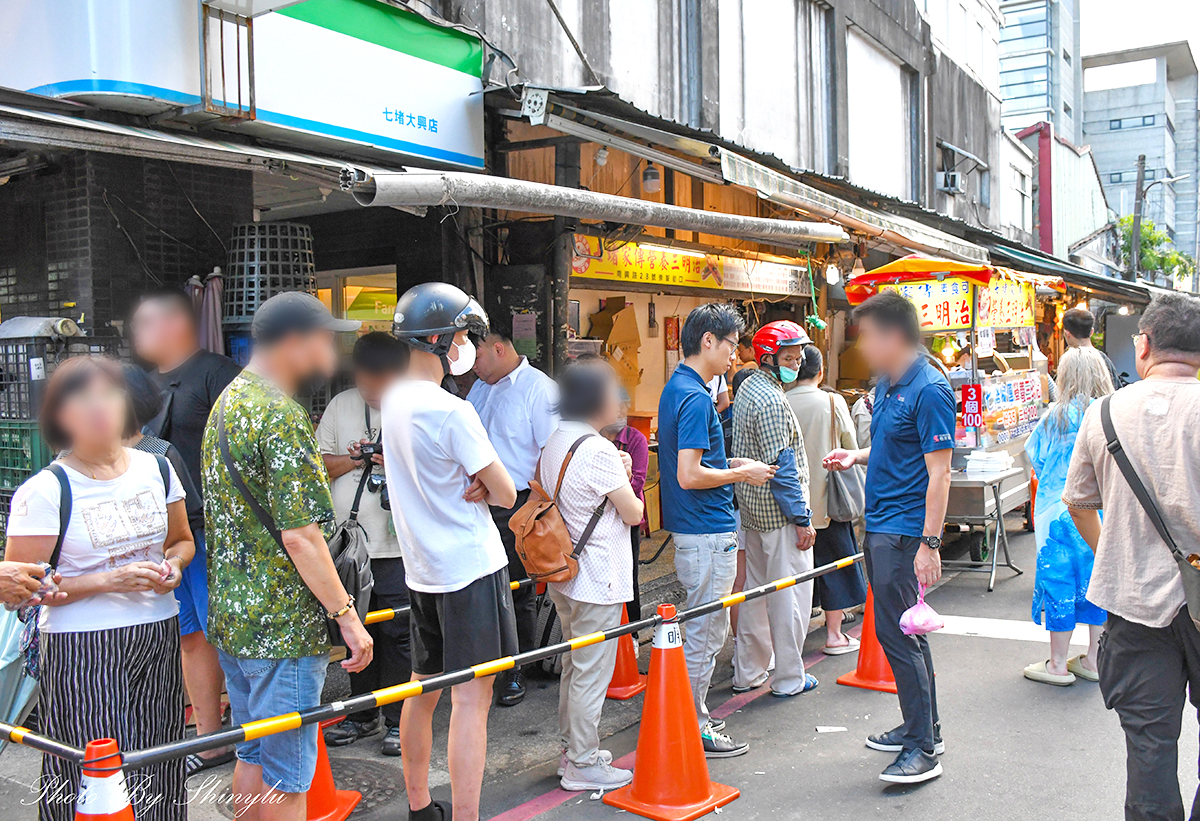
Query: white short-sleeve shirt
point(114, 522)
point(606, 564)
point(433, 443)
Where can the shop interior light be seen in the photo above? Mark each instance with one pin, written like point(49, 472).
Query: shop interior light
point(858, 268)
point(669, 249)
point(651, 179)
point(1123, 310)
point(833, 274)
point(1082, 305)
point(602, 156)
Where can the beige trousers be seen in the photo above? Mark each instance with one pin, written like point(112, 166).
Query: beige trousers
point(586, 674)
point(778, 622)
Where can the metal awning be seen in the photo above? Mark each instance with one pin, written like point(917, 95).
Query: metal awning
point(1078, 278)
point(40, 128)
point(466, 190)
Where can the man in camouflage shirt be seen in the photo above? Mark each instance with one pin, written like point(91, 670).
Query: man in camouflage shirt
point(776, 521)
point(269, 596)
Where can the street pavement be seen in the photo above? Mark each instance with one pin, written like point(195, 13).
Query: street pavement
point(1015, 749)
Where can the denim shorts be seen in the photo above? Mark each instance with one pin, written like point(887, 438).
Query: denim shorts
point(264, 688)
point(192, 592)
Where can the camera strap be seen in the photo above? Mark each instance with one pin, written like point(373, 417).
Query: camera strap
point(368, 466)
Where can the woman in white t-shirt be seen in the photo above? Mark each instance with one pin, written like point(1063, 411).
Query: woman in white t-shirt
point(589, 400)
point(109, 650)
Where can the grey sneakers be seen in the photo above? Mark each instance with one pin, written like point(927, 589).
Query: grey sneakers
point(719, 745)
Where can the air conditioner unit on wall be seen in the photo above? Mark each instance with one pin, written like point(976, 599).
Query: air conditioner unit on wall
point(951, 182)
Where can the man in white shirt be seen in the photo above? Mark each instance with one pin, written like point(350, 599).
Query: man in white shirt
point(442, 473)
point(517, 404)
point(351, 421)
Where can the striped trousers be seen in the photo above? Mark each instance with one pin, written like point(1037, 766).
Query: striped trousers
point(124, 683)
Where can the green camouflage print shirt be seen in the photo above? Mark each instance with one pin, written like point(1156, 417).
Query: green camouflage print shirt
point(258, 605)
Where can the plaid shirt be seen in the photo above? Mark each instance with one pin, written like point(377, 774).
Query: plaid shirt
point(763, 426)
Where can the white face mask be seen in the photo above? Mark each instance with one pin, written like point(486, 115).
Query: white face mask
point(466, 358)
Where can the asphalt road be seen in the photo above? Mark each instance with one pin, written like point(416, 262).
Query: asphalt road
point(1015, 749)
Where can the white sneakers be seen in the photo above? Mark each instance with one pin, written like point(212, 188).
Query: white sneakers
point(601, 775)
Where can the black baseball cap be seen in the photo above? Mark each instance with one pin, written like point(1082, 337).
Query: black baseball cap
point(295, 312)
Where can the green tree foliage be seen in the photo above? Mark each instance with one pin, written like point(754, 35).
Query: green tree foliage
point(1159, 257)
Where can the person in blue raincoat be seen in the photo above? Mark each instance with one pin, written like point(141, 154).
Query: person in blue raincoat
point(1064, 561)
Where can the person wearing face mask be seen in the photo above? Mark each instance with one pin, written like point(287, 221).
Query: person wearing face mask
point(634, 451)
point(516, 403)
point(775, 518)
point(443, 474)
point(268, 511)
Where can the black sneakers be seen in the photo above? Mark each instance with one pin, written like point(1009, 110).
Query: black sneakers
point(893, 740)
point(912, 767)
point(348, 731)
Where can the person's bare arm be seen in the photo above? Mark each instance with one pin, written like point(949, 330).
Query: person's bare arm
point(307, 548)
point(627, 504)
point(843, 459)
point(493, 485)
point(723, 401)
point(337, 466)
point(179, 547)
point(20, 581)
point(1087, 522)
point(928, 563)
point(693, 475)
point(129, 578)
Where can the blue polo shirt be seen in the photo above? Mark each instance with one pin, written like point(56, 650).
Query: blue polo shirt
point(687, 420)
point(911, 418)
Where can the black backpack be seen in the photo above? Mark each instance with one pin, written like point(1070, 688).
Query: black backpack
point(349, 553)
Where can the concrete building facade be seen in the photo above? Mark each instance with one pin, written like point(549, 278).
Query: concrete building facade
point(1143, 101)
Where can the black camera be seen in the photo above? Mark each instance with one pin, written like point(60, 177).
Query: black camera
point(366, 451)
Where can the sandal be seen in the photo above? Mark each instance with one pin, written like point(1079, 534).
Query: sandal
point(1075, 665)
point(810, 683)
point(841, 649)
point(1039, 673)
point(195, 763)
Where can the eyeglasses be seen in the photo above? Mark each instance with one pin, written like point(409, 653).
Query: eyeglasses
point(733, 343)
point(1134, 337)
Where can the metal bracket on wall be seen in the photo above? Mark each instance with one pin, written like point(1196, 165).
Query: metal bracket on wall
point(220, 30)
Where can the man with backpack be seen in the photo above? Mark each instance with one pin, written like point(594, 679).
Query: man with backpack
point(443, 473)
point(269, 513)
point(1146, 436)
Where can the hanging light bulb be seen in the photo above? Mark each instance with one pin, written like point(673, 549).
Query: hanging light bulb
point(651, 179)
point(833, 274)
point(602, 156)
point(1082, 306)
point(858, 269)
point(1123, 310)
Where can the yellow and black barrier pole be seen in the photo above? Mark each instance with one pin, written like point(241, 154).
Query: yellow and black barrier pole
point(399, 692)
point(376, 616)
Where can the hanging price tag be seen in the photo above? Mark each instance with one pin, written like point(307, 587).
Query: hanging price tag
point(972, 404)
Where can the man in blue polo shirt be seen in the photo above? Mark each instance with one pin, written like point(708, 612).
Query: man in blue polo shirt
point(697, 497)
point(908, 482)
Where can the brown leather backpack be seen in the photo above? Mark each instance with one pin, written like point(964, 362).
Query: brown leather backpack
point(543, 541)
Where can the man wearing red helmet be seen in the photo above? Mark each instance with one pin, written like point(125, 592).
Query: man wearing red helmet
point(775, 517)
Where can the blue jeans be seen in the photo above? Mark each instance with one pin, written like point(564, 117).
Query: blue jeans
point(706, 565)
point(264, 688)
point(192, 592)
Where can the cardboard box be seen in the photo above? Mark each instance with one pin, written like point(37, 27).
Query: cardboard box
point(616, 324)
point(852, 366)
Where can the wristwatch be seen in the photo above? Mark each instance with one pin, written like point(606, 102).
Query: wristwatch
point(349, 606)
point(933, 542)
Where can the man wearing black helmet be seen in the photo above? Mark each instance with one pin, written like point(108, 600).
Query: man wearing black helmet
point(443, 473)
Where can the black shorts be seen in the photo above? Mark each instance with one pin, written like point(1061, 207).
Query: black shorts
point(452, 631)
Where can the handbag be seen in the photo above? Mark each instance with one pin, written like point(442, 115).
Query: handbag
point(542, 539)
point(347, 546)
point(1188, 572)
point(845, 490)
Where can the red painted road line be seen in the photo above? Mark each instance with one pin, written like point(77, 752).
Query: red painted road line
point(557, 797)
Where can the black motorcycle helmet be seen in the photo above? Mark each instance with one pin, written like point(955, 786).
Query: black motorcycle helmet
point(437, 308)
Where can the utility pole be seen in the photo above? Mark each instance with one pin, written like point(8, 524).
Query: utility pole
point(1135, 238)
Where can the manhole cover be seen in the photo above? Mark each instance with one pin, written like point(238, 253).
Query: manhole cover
point(380, 785)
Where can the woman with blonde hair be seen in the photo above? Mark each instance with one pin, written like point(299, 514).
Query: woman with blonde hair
point(1064, 561)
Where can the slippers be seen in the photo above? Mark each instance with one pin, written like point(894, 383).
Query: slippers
point(841, 649)
point(810, 683)
point(1039, 673)
point(197, 763)
point(1074, 665)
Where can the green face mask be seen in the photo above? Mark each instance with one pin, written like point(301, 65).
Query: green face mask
point(788, 375)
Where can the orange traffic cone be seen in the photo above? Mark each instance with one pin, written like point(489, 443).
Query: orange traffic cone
point(325, 801)
point(670, 777)
point(103, 795)
point(627, 680)
point(874, 672)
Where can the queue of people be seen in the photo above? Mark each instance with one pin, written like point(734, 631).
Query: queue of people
point(159, 575)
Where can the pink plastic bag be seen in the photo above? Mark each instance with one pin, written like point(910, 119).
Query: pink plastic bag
point(920, 618)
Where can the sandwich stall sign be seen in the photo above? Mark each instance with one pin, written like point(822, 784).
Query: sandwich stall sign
point(326, 72)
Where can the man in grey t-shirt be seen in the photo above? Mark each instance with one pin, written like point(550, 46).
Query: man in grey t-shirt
point(1150, 652)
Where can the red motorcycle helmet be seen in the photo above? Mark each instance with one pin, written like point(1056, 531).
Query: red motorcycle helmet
point(782, 333)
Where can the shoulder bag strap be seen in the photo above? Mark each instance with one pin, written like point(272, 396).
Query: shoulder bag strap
point(562, 471)
point(833, 434)
point(64, 509)
point(164, 469)
point(260, 513)
point(1131, 476)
